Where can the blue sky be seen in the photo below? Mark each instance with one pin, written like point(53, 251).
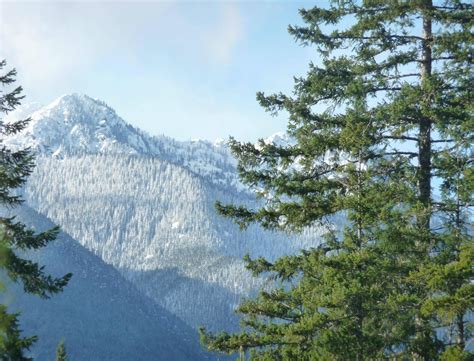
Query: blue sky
point(183, 69)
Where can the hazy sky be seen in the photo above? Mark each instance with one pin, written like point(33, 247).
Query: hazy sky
point(184, 69)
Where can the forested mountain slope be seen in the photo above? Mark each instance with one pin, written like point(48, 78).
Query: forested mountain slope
point(155, 221)
point(79, 124)
point(101, 315)
point(146, 205)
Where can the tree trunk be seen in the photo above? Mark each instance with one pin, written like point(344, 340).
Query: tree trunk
point(424, 146)
point(424, 161)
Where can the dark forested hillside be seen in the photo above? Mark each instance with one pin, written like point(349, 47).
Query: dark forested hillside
point(100, 315)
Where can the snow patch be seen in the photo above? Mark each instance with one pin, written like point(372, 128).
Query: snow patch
point(175, 225)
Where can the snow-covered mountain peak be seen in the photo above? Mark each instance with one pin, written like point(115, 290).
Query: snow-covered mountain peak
point(279, 139)
point(220, 142)
point(76, 108)
point(76, 123)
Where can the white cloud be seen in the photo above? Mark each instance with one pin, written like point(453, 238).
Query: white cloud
point(224, 38)
point(136, 55)
point(52, 42)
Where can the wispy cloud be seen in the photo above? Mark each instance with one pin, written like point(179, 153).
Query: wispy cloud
point(51, 42)
point(179, 67)
point(222, 41)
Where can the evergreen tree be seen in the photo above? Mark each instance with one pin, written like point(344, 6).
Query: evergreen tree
point(15, 237)
point(61, 354)
point(377, 125)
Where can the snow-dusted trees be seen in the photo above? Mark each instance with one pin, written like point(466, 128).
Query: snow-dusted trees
point(155, 221)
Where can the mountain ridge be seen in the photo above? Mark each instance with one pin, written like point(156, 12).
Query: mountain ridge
point(150, 213)
point(76, 124)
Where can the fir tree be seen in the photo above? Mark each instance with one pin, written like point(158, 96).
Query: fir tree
point(15, 237)
point(383, 119)
point(61, 354)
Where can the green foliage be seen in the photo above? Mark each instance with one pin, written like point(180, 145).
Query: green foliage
point(382, 134)
point(455, 353)
point(11, 342)
point(15, 167)
point(61, 354)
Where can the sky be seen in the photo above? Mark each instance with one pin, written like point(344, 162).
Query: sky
point(183, 69)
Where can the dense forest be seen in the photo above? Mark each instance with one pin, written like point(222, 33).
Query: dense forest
point(348, 237)
point(383, 128)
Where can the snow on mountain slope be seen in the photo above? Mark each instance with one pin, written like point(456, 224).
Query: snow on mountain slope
point(146, 205)
point(142, 214)
point(78, 124)
point(101, 315)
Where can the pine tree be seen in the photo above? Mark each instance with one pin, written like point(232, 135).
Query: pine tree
point(15, 237)
point(382, 135)
point(61, 354)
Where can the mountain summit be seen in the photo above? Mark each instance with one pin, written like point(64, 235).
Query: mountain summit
point(145, 205)
point(76, 123)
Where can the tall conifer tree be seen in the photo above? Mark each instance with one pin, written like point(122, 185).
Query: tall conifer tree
point(15, 237)
point(382, 133)
point(61, 354)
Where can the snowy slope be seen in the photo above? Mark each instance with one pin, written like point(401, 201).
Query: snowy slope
point(146, 206)
point(78, 124)
point(147, 216)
